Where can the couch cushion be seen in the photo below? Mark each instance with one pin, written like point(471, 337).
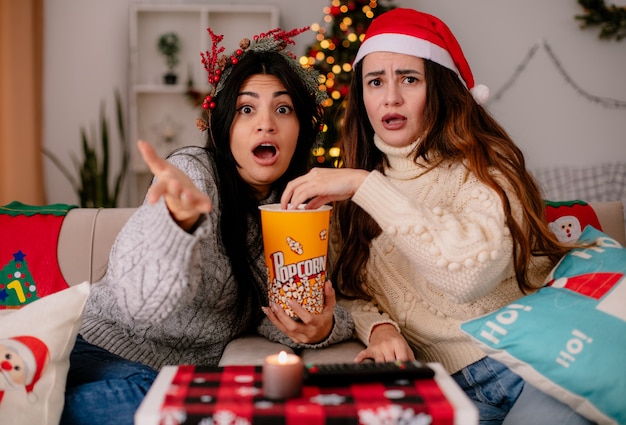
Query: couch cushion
point(28, 253)
point(567, 219)
point(604, 182)
point(610, 214)
point(604, 216)
point(86, 239)
point(568, 338)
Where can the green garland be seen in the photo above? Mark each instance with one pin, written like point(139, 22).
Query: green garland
point(612, 19)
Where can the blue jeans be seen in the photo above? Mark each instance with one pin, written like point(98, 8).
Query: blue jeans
point(495, 390)
point(103, 388)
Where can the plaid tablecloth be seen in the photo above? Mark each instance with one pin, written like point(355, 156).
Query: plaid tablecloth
point(233, 395)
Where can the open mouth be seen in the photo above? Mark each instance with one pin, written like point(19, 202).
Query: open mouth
point(390, 119)
point(393, 121)
point(265, 151)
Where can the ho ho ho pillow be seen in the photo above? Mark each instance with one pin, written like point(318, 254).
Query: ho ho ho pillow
point(569, 338)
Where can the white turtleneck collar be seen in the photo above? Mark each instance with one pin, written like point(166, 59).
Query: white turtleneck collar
point(401, 162)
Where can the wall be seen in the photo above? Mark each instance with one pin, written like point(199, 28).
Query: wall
point(86, 59)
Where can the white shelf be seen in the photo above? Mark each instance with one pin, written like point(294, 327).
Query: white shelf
point(159, 88)
point(156, 109)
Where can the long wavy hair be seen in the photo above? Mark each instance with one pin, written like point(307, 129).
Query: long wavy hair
point(457, 129)
point(239, 219)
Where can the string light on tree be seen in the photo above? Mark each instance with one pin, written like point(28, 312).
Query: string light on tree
point(336, 44)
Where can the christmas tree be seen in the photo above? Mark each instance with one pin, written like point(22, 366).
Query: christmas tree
point(17, 287)
point(332, 54)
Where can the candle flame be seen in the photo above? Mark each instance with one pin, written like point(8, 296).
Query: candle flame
point(282, 357)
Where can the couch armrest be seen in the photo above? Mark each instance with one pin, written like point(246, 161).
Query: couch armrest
point(85, 240)
point(611, 216)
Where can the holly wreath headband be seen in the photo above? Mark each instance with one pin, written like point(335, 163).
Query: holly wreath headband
point(219, 65)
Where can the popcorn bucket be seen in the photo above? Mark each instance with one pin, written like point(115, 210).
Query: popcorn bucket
point(295, 242)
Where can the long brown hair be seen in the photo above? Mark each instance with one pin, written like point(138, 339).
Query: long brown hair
point(239, 221)
point(456, 129)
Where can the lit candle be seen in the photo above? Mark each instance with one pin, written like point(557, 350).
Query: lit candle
point(282, 376)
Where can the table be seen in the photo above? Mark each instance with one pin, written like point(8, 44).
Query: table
point(232, 395)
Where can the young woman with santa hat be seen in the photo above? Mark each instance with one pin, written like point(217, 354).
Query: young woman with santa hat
point(438, 219)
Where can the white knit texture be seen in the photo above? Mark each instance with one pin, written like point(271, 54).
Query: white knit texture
point(445, 256)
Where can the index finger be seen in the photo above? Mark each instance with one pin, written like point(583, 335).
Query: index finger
point(303, 314)
point(150, 157)
point(287, 194)
point(330, 299)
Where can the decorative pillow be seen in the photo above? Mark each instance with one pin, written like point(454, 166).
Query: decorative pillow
point(569, 338)
point(29, 269)
point(35, 343)
point(567, 219)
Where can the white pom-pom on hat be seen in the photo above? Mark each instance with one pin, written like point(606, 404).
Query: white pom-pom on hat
point(480, 93)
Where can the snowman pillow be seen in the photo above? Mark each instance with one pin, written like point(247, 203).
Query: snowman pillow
point(35, 344)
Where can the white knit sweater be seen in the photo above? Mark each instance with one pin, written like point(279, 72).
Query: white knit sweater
point(444, 256)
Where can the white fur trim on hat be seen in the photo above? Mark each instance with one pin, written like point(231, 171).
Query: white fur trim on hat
point(407, 45)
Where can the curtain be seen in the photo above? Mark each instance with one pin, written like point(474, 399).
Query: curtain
point(21, 76)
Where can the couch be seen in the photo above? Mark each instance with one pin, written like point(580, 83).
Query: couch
point(42, 252)
point(87, 235)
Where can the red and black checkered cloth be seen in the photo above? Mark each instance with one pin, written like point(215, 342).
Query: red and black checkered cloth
point(233, 395)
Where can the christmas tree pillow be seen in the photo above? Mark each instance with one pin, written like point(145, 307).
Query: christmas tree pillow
point(569, 338)
point(567, 219)
point(29, 269)
point(35, 344)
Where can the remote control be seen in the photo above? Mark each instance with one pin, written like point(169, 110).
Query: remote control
point(341, 373)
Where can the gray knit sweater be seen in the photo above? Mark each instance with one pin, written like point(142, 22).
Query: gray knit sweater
point(168, 296)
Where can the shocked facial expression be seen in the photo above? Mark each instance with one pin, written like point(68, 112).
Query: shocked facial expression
point(394, 93)
point(264, 133)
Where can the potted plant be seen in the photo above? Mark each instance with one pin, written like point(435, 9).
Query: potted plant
point(92, 183)
point(169, 46)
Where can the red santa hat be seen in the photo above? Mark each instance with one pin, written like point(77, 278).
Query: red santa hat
point(34, 354)
point(414, 33)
